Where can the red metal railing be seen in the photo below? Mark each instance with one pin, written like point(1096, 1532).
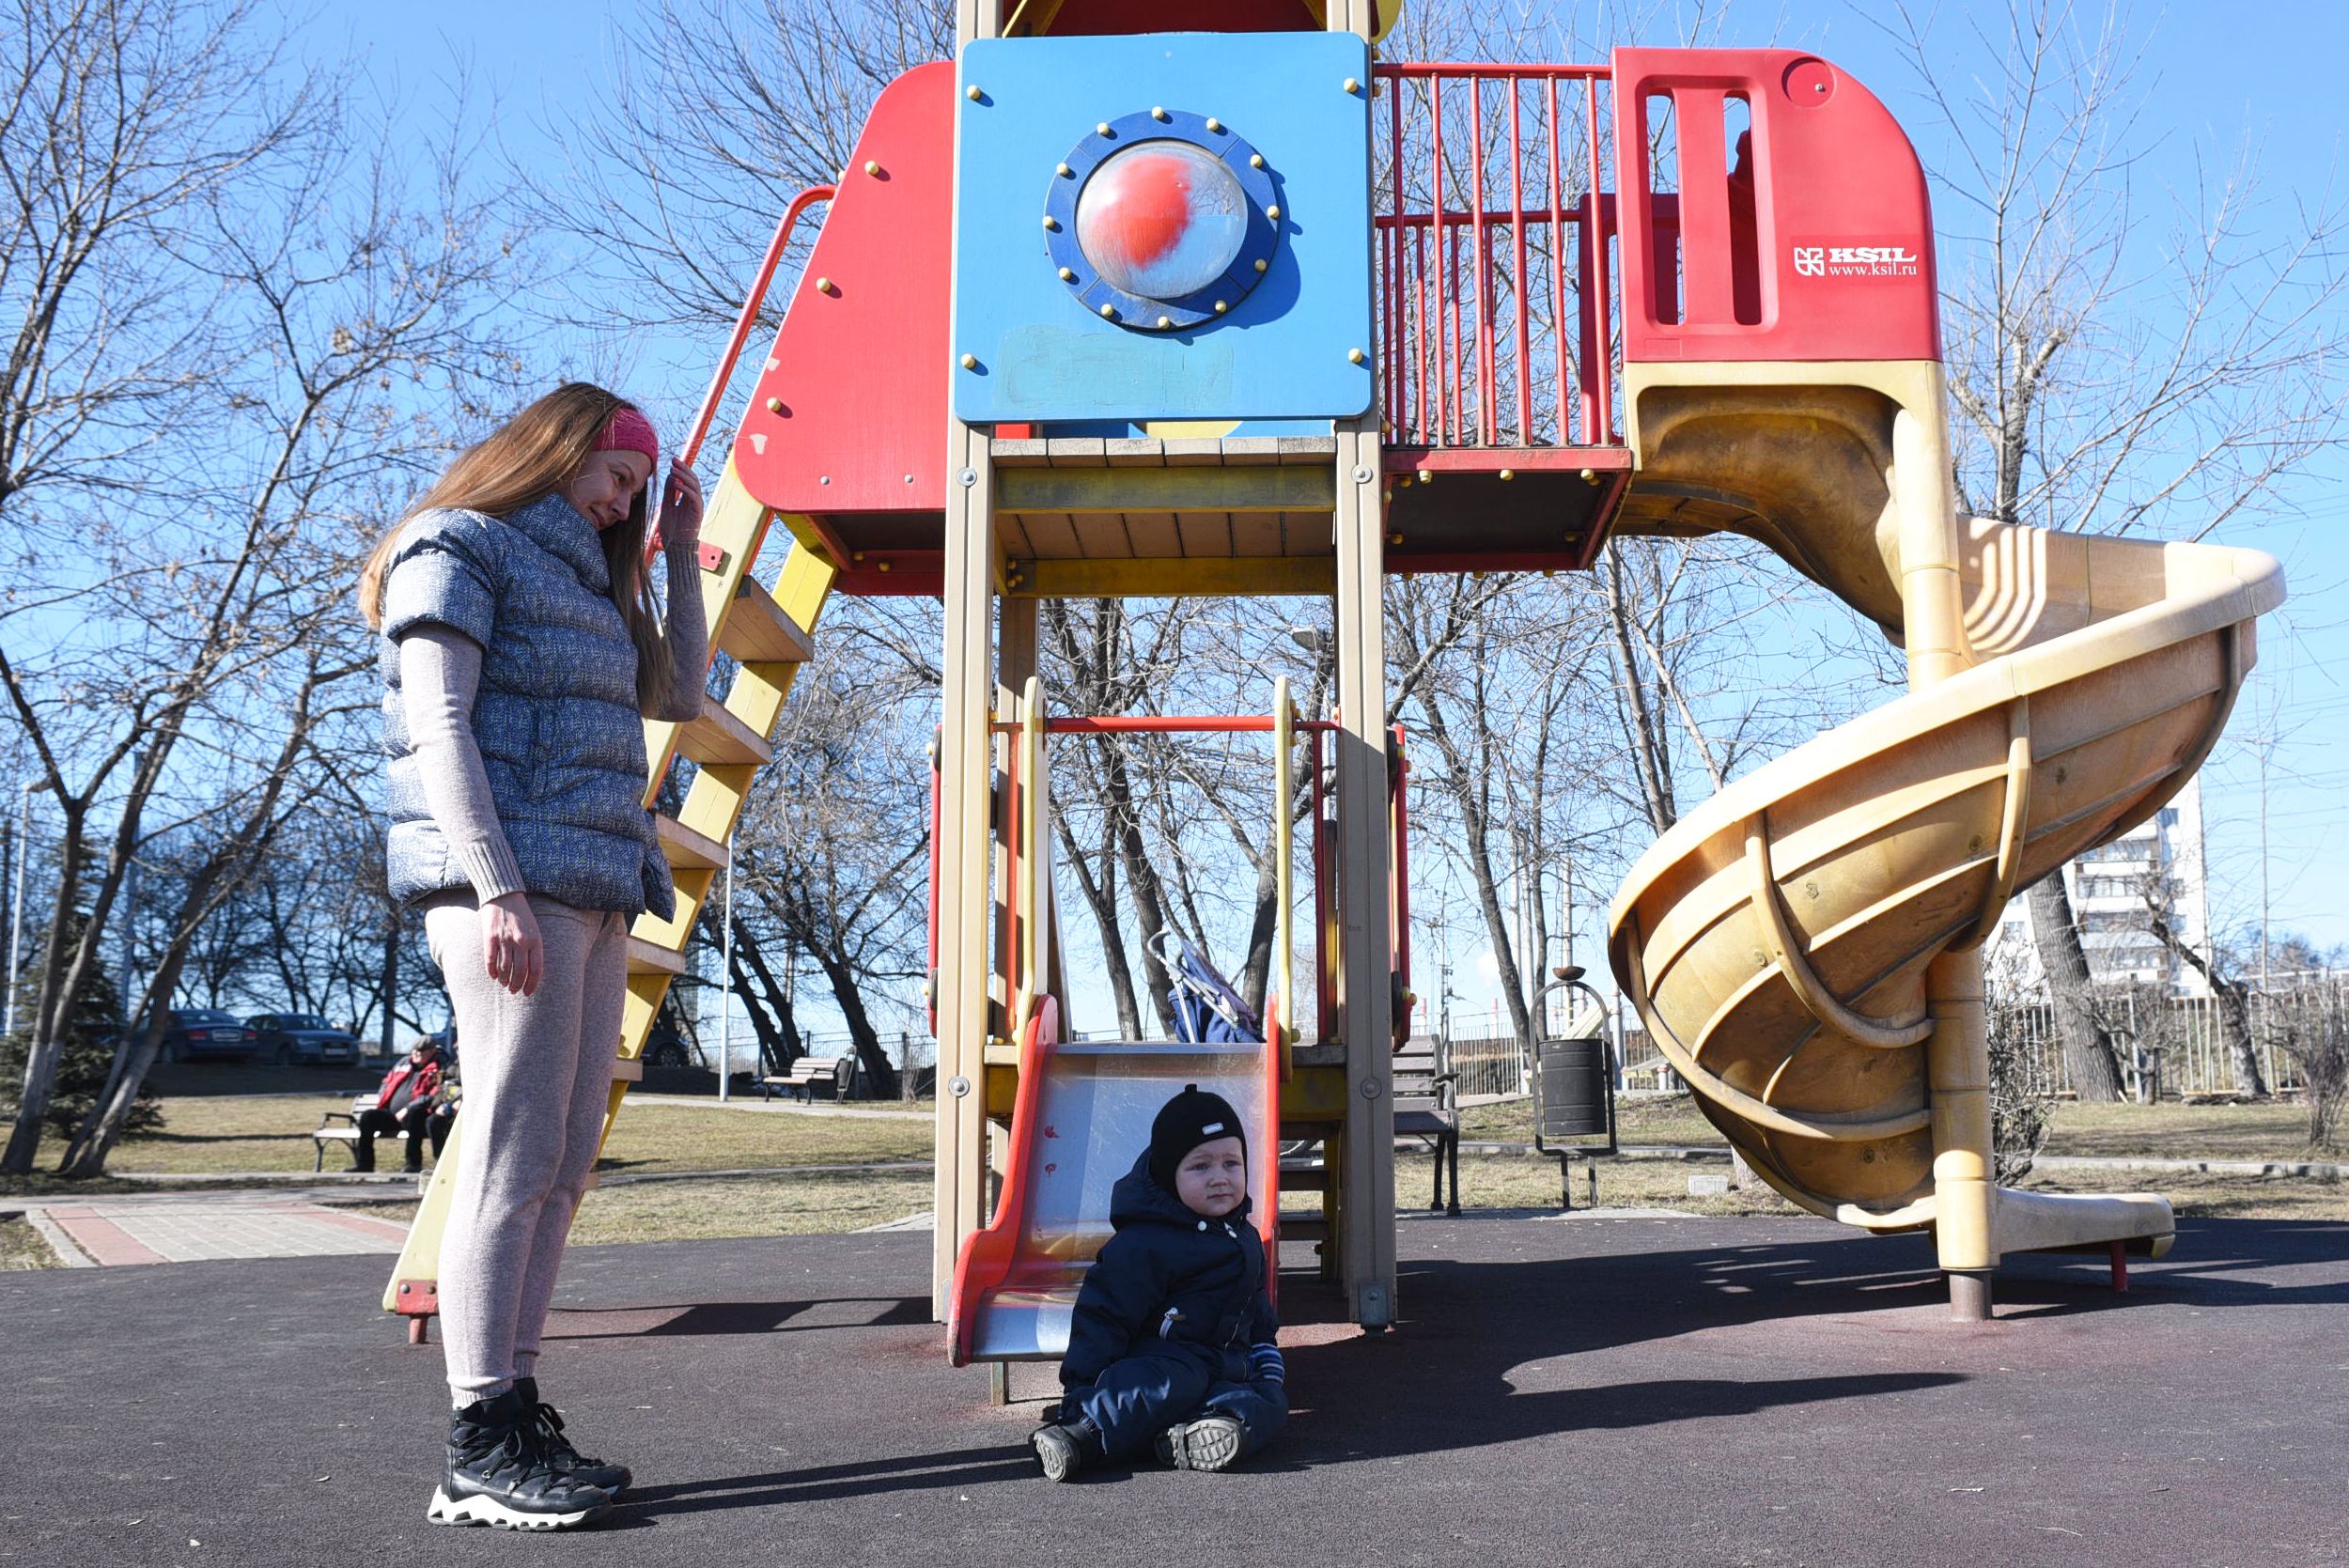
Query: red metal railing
point(1496, 317)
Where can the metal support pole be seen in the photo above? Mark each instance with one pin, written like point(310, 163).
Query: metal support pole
point(725, 984)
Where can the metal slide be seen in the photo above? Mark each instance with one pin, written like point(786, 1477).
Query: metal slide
point(1777, 938)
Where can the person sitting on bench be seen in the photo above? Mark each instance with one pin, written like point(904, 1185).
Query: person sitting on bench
point(408, 1103)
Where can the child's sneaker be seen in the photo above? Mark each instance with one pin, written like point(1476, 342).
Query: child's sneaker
point(1064, 1450)
point(1210, 1443)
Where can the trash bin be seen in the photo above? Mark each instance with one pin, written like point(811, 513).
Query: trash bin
point(1571, 1089)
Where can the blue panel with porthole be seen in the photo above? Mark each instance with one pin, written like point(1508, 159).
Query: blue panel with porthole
point(1164, 226)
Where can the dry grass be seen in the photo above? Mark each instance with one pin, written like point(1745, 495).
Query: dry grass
point(271, 1133)
point(21, 1247)
point(815, 1202)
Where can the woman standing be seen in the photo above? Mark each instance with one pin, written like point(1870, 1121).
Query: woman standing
point(521, 649)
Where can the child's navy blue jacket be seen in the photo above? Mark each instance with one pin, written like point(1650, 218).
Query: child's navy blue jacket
point(1169, 1284)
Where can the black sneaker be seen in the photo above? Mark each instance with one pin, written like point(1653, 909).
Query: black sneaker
point(603, 1477)
point(497, 1473)
point(1210, 1443)
point(1064, 1450)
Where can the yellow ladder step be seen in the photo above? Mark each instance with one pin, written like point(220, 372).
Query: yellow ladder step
point(756, 631)
point(645, 957)
point(687, 848)
point(719, 737)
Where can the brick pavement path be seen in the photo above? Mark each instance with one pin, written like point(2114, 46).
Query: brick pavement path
point(177, 1228)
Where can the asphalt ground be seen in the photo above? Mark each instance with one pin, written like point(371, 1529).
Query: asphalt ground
point(1684, 1391)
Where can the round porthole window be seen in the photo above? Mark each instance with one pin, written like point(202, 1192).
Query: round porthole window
point(1161, 221)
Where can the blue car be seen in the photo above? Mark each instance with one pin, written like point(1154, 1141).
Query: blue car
point(207, 1035)
point(305, 1038)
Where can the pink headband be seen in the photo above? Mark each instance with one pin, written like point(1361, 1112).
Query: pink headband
point(629, 431)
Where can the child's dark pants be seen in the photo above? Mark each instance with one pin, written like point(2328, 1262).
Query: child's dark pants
point(1136, 1399)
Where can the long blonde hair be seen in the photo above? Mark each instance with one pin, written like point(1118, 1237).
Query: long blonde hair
point(533, 455)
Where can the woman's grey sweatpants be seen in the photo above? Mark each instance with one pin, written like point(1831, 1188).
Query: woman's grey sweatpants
point(538, 1076)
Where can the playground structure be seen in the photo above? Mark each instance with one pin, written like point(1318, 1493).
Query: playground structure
point(1329, 320)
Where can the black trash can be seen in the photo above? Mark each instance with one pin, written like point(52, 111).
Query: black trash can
point(1572, 1088)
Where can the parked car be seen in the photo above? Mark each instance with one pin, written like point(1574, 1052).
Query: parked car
point(288, 1038)
point(668, 1048)
point(207, 1035)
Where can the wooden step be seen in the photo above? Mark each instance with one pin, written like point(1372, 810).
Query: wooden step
point(645, 957)
point(719, 737)
point(756, 632)
point(687, 848)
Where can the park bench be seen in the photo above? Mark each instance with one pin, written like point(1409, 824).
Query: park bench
point(1426, 1108)
point(347, 1134)
point(810, 1073)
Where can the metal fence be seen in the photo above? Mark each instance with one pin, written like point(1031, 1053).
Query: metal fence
point(2182, 1040)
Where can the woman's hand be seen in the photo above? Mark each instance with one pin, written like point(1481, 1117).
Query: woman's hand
point(514, 955)
point(682, 506)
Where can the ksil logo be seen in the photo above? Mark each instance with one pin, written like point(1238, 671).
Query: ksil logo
point(1857, 261)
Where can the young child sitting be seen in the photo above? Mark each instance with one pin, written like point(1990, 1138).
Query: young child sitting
point(1172, 1342)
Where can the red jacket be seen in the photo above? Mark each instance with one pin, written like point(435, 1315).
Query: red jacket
point(428, 1082)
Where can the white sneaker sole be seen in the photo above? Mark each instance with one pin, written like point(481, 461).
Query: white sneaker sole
point(489, 1511)
point(1201, 1445)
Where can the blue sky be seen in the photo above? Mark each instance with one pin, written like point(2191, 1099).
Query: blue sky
point(2216, 75)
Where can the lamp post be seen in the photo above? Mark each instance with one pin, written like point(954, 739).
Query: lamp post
point(16, 915)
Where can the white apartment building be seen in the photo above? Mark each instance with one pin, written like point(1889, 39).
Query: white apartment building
point(2108, 886)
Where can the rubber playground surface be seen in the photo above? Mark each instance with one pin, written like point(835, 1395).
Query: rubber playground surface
point(1588, 1391)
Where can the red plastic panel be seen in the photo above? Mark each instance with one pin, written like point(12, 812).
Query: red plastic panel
point(1813, 242)
point(860, 368)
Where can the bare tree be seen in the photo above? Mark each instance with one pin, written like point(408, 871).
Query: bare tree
point(2109, 374)
point(230, 309)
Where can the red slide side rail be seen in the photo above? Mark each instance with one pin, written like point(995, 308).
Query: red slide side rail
point(1802, 230)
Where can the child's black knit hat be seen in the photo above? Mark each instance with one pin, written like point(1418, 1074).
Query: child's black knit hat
point(1194, 1117)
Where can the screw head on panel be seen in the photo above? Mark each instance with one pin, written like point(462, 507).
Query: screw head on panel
point(1361, 475)
point(969, 362)
point(1394, 538)
point(1159, 114)
point(1354, 356)
point(1352, 85)
point(1051, 221)
point(1165, 321)
point(973, 93)
point(823, 286)
point(1102, 128)
point(1221, 307)
point(967, 478)
point(1274, 212)
point(1215, 126)
point(1262, 264)
point(1255, 160)
point(871, 167)
point(1110, 312)
point(774, 405)
point(880, 565)
point(1063, 171)
point(1590, 476)
point(1068, 274)
point(1508, 473)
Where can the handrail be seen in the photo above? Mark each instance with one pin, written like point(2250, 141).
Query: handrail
point(749, 317)
point(1246, 724)
point(1277, 1028)
point(1495, 325)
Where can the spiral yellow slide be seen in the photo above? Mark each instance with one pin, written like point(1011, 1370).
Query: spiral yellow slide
point(1804, 947)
